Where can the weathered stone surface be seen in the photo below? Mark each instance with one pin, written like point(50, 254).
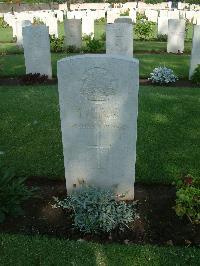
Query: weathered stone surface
point(195, 55)
point(176, 34)
point(73, 32)
point(98, 96)
point(162, 25)
point(119, 39)
point(88, 25)
point(37, 50)
point(19, 25)
point(124, 19)
point(52, 23)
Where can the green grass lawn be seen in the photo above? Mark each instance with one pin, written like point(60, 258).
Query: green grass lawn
point(14, 65)
point(139, 46)
point(168, 132)
point(27, 251)
point(6, 35)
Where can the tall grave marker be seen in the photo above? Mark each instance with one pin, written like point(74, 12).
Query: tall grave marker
point(98, 96)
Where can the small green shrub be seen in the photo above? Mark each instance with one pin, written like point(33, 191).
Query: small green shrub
point(73, 49)
point(195, 78)
point(3, 24)
point(101, 20)
point(125, 13)
point(144, 29)
point(103, 37)
point(13, 193)
point(188, 198)
point(187, 26)
point(96, 210)
point(162, 38)
point(57, 44)
point(162, 75)
point(140, 16)
point(93, 45)
point(37, 21)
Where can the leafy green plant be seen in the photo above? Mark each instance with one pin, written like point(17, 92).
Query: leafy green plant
point(93, 45)
point(37, 21)
point(162, 38)
point(188, 198)
point(97, 210)
point(187, 26)
point(140, 16)
point(162, 75)
point(57, 44)
point(73, 49)
point(3, 24)
point(101, 20)
point(125, 13)
point(144, 29)
point(103, 37)
point(195, 78)
point(13, 193)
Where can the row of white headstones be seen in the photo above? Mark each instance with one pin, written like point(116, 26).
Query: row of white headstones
point(98, 98)
point(119, 41)
point(161, 17)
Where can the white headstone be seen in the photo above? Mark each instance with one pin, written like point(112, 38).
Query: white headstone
point(19, 25)
point(195, 55)
point(162, 25)
point(73, 33)
point(173, 14)
point(132, 14)
point(123, 19)
point(37, 50)
point(52, 23)
point(98, 96)
point(119, 39)
point(88, 26)
point(176, 34)
point(112, 15)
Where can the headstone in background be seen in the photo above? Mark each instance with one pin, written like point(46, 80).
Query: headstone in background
point(19, 25)
point(176, 35)
point(162, 25)
point(195, 55)
point(119, 39)
point(123, 19)
point(73, 33)
point(88, 26)
point(37, 50)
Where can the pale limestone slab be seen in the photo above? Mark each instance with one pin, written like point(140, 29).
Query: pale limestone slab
point(195, 55)
point(176, 35)
point(119, 39)
point(37, 50)
point(73, 33)
point(19, 25)
point(124, 19)
point(162, 25)
point(98, 97)
point(88, 26)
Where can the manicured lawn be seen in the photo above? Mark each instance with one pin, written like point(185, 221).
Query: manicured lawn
point(139, 47)
point(28, 251)
point(168, 132)
point(13, 65)
point(6, 35)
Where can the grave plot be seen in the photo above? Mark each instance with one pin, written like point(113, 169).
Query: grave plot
point(99, 115)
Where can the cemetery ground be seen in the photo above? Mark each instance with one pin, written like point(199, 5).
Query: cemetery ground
point(168, 146)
